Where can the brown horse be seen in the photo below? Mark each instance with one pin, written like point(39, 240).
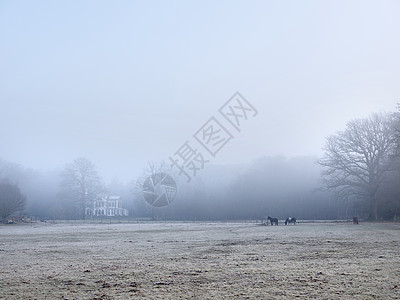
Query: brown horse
point(355, 220)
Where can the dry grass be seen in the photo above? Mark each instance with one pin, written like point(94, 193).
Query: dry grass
point(199, 261)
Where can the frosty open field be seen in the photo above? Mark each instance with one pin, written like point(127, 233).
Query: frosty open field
point(199, 261)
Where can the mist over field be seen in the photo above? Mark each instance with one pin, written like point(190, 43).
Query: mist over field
point(243, 104)
point(199, 149)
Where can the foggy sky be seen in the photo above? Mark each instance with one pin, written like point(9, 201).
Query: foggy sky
point(125, 82)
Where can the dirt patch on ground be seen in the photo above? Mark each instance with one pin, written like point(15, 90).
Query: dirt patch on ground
point(199, 261)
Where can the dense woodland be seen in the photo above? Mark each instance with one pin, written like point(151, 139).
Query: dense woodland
point(358, 175)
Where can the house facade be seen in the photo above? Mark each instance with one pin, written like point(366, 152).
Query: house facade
point(106, 206)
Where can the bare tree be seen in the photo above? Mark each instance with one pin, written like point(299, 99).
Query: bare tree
point(81, 184)
point(11, 199)
point(152, 169)
point(357, 159)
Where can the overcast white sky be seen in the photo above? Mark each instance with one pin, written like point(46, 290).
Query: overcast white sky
point(125, 82)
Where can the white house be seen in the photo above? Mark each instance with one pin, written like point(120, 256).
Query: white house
point(108, 206)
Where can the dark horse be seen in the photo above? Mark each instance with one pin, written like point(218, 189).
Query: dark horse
point(290, 220)
point(355, 220)
point(273, 220)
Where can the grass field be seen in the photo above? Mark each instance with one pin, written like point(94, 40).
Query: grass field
point(199, 261)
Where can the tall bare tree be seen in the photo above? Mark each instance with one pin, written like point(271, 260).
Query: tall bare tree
point(357, 159)
point(152, 169)
point(81, 184)
point(11, 199)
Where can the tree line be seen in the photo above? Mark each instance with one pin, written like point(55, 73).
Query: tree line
point(358, 174)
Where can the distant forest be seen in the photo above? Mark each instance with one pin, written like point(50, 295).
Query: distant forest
point(358, 175)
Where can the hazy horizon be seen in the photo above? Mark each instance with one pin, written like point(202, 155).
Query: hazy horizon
point(128, 83)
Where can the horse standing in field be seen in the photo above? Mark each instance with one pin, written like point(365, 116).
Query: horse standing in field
point(273, 220)
point(290, 220)
point(355, 220)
